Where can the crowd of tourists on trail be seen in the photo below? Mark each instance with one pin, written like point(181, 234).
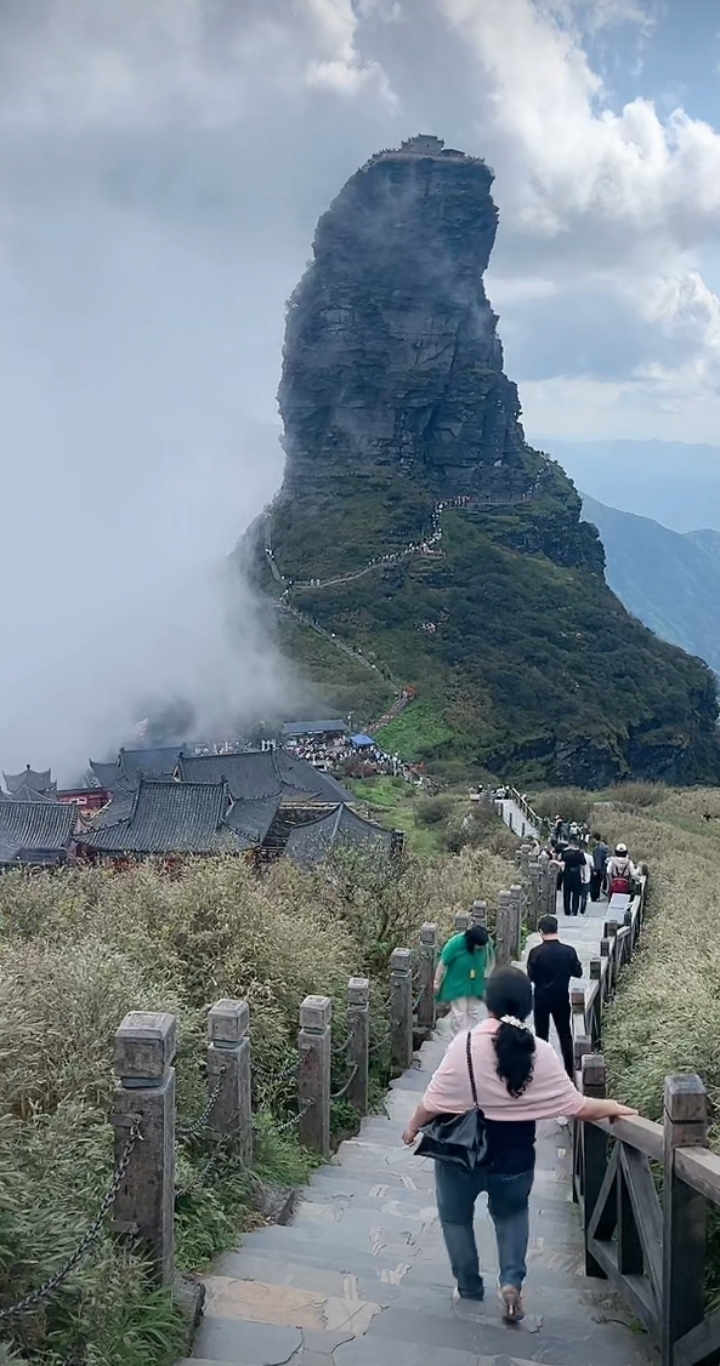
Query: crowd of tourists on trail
point(499, 1076)
point(588, 873)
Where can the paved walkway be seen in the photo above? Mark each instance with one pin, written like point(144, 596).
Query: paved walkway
point(361, 1277)
point(516, 820)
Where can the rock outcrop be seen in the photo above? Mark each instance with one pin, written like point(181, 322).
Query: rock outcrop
point(405, 450)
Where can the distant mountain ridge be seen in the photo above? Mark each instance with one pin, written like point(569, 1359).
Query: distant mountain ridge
point(677, 483)
point(670, 580)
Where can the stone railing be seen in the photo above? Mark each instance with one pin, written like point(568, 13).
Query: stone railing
point(645, 1190)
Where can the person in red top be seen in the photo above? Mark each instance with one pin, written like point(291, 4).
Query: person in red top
point(519, 1080)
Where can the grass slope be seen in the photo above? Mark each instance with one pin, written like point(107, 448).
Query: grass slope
point(535, 668)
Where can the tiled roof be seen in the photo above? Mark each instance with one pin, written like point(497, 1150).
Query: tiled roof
point(252, 776)
point(312, 842)
point(253, 819)
point(301, 779)
point(149, 763)
point(335, 726)
point(35, 832)
point(109, 776)
point(117, 809)
point(170, 818)
point(38, 781)
point(28, 794)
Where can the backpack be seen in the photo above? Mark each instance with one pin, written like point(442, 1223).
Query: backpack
point(621, 881)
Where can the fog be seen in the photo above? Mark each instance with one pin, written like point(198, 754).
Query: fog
point(163, 164)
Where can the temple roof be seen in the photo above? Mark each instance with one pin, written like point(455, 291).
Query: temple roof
point(250, 776)
point(134, 764)
point(301, 779)
point(35, 832)
point(25, 793)
point(252, 820)
point(149, 763)
point(170, 818)
point(37, 780)
point(260, 774)
point(110, 776)
point(296, 729)
point(313, 841)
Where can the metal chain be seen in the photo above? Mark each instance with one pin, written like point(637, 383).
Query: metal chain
point(202, 1176)
point(48, 1288)
point(343, 1047)
point(336, 1095)
point(294, 1119)
point(187, 1131)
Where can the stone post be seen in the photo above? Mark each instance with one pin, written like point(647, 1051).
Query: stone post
point(145, 1046)
point(479, 913)
point(401, 1010)
point(518, 904)
point(461, 922)
point(359, 1046)
point(534, 896)
point(504, 930)
point(428, 961)
point(684, 1215)
point(228, 1066)
point(524, 859)
point(595, 1156)
point(315, 1048)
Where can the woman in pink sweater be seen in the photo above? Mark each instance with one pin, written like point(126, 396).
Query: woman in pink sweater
point(519, 1080)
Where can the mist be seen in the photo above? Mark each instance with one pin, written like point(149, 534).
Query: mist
point(163, 164)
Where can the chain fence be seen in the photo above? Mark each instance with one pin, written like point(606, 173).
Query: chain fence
point(294, 1119)
point(185, 1132)
point(47, 1289)
point(343, 1047)
point(337, 1095)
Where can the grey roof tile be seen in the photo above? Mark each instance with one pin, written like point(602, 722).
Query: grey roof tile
point(253, 819)
point(170, 818)
point(301, 779)
point(334, 726)
point(32, 832)
point(251, 776)
point(38, 780)
point(313, 841)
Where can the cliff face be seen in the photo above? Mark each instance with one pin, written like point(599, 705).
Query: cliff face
point(395, 404)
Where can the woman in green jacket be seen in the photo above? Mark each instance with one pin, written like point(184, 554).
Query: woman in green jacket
point(460, 976)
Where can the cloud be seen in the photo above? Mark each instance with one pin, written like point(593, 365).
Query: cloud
point(163, 164)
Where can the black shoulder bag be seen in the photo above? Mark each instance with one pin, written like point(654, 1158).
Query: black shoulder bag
point(460, 1139)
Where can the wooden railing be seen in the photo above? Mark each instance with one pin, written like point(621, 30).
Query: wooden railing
point(645, 1189)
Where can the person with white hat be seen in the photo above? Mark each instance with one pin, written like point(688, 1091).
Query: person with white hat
point(620, 871)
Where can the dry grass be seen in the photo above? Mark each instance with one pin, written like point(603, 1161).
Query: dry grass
point(80, 949)
point(667, 1014)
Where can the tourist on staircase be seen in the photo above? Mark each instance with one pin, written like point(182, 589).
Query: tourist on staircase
point(572, 861)
point(460, 976)
point(600, 856)
point(621, 871)
point(514, 1079)
point(550, 966)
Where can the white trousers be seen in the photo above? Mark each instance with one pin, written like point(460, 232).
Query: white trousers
point(465, 1013)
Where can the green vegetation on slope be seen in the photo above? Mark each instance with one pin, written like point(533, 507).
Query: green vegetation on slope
point(534, 668)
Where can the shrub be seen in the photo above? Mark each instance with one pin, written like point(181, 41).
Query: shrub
point(572, 803)
point(81, 948)
point(433, 810)
point(635, 796)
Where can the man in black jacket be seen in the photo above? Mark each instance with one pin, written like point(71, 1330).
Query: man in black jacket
point(550, 966)
point(572, 862)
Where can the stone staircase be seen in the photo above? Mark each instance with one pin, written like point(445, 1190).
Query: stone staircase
point(361, 1278)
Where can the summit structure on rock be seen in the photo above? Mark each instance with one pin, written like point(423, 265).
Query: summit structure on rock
point(417, 531)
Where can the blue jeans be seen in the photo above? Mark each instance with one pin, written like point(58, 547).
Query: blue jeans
point(508, 1196)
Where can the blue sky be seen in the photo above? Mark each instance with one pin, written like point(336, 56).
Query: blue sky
point(163, 164)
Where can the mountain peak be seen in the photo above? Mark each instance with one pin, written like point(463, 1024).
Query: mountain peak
point(418, 539)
